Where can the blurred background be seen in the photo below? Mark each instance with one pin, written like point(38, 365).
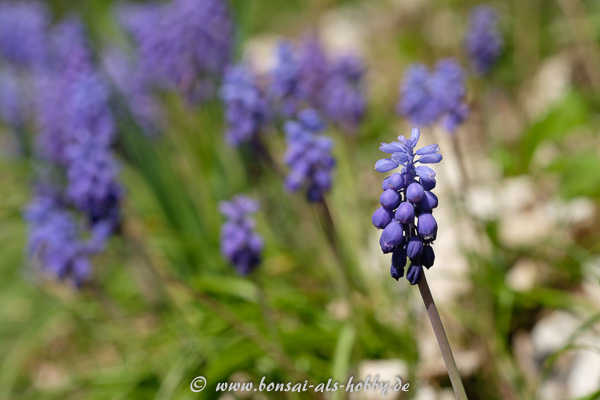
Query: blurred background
point(517, 271)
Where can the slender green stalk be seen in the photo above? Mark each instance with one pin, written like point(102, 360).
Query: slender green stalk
point(461, 163)
point(268, 313)
point(440, 334)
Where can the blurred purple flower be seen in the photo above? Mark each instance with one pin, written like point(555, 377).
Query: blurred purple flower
point(239, 243)
point(306, 78)
point(314, 71)
point(23, 28)
point(56, 241)
point(75, 136)
point(183, 45)
point(73, 99)
point(247, 108)
point(285, 79)
point(23, 50)
point(483, 41)
point(308, 155)
point(428, 97)
point(343, 94)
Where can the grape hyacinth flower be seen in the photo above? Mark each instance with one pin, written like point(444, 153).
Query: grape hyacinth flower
point(23, 27)
point(407, 196)
point(308, 155)
point(309, 79)
point(183, 45)
point(483, 42)
point(76, 132)
point(77, 128)
point(23, 49)
point(285, 79)
point(428, 97)
point(56, 241)
point(343, 94)
point(247, 109)
point(314, 71)
point(239, 243)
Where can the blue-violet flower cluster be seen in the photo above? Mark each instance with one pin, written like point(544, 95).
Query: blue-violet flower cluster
point(182, 45)
point(407, 196)
point(239, 243)
point(483, 41)
point(75, 136)
point(428, 97)
point(23, 50)
point(308, 78)
point(58, 243)
point(247, 109)
point(308, 155)
point(23, 27)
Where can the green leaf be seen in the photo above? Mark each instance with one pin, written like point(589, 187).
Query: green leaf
point(555, 126)
point(579, 174)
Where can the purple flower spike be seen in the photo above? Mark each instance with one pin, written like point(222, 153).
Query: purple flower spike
point(343, 94)
point(23, 32)
point(308, 155)
point(247, 108)
point(76, 207)
point(239, 244)
point(416, 97)
point(483, 41)
point(285, 79)
point(429, 97)
point(182, 45)
point(408, 195)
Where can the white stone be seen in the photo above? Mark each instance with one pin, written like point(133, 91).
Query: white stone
point(260, 52)
point(584, 377)
point(523, 276)
point(343, 32)
point(549, 85)
point(552, 332)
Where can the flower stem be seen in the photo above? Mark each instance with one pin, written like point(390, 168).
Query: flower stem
point(440, 334)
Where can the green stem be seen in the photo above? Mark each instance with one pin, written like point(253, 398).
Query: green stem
point(268, 312)
point(440, 334)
